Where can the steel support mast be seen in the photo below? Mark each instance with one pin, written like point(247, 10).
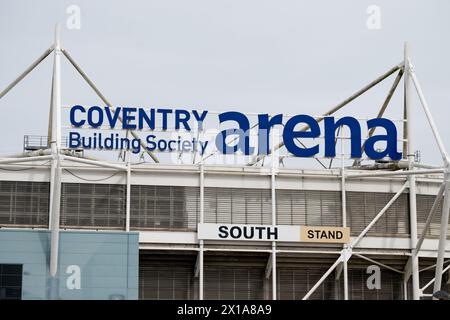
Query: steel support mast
point(55, 175)
point(411, 178)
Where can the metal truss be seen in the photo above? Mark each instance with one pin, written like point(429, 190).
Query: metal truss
point(403, 69)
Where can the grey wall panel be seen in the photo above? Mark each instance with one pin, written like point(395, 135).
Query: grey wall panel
point(24, 203)
point(167, 276)
point(164, 207)
point(108, 263)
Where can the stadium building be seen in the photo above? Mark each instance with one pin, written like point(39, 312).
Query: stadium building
point(73, 227)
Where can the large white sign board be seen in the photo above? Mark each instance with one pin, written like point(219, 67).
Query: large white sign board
point(252, 232)
point(212, 231)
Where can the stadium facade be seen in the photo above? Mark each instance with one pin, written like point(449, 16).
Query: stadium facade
point(159, 257)
point(77, 228)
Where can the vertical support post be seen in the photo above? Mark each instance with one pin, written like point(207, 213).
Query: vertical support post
point(274, 222)
point(411, 178)
point(56, 92)
point(55, 206)
point(345, 270)
point(405, 289)
point(344, 218)
point(52, 181)
point(128, 205)
point(201, 252)
point(443, 233)
point(446, 206)
point(55, 175)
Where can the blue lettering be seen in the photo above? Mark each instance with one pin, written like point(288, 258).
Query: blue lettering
point(164, 113)
point(112, 118)
point(127, 118)
point(243, 134)
point(184, 120)
point(150, 120)
point(72, 115)
point(289, 135)
point(390, 137)
point(90, 118)
point(74, 140)
point(200, 118)
point(264, 129)
point(169, 145)
point(151, 145)
point(330, 135)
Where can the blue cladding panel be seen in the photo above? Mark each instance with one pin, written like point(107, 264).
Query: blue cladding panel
point(108, 262)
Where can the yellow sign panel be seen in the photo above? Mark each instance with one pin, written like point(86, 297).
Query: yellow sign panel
point(325, 234)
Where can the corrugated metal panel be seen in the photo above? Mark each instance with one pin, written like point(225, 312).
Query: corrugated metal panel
point(294, 283)
point(391, 285)
point(424, 204)
point(164, 207)
point(428, 267)
point(362, 207)
point(93, 205)
point(240, 206)
point(24, 203)
point(234, 283)
point(167, 276)
point(235, 276)
point(309, 207)
point(173, 281)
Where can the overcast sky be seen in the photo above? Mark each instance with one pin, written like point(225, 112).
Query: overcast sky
point(255, 56)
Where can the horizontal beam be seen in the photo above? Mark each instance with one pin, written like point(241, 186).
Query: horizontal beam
point(394, 173)
point(424, 166)
point(95, 163)
point(25, 159)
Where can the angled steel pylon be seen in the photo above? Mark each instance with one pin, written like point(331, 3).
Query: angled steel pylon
point(405, 69)
point(412, 267)
point(54, 152)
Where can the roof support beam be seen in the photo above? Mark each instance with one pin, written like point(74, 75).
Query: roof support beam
point(394, 173)
point(339, 270)
point(378, 216)
point(433, 281)
point(382, 109)
point(347, 252)
point(258, 158)
point(377, 263)
point(103, 98)
point(269, 267)
point(197, 266)
point(95, 163)
point(430, 217)
point(322, 279)
point(27, 71)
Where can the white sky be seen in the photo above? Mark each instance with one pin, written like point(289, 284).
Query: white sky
point(256, 56)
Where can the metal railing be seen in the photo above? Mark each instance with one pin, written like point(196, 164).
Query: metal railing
point(36, 142)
